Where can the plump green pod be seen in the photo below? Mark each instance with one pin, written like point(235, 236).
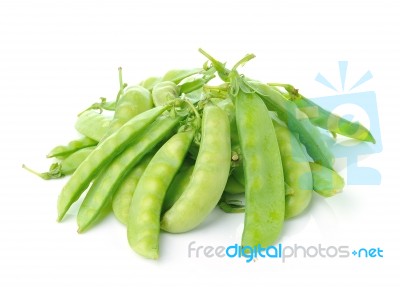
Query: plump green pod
point(150, 82)
point(297, 172)
point(233, 186)
point(132, 102)
point(263, 171)
point(326, 182)
point(147, 201)
point(123, 196)
point(177, 75)
point(101, 156)
point(72, 162)
point(297, 122)
point(65, 167)
point(92, 124)
point(325, 119)
point(209, 176)
point(178, 185)
point(73, 146)
point(164, 92)
point(105, 185)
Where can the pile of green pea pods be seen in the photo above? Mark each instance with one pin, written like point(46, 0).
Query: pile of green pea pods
point(169, 150)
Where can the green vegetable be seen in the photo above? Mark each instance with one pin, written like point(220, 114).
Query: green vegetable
point(233, 186)
point(325, 119)
point(132, 102)
point(63, 151)
point(92, 124)
point(65, 167)
point(150, 82)
point(101, 156)
point(297, 172)
point(264, 180)
point(177, 75)
point(326, 182)
point(164, 92)
point(123, 195)
point(178, 186)
point(145, 209)
point(209, 176)
point(105, 185)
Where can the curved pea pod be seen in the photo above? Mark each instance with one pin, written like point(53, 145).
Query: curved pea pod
point(150, 82)
point(107, 182)
point(326, 182)
point(177, 75)
point(145, 210)
point(325, 119)
point(263, 172)
point(63, 151)
point(65, 167)
point(296, 121)
point(123, 196)
point(93, 124)
point(297, 172)
point(133, 101)
point(209, 176)
point(102, 155)
point(178, 185)
point(164, 92)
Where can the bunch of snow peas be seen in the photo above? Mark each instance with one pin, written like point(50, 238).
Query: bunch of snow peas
point(169, 150)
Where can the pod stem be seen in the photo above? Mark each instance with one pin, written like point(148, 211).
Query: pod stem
point(219, 66)
point(293, 92)
point(122, 85)
point(54, 172)
point(197, 120)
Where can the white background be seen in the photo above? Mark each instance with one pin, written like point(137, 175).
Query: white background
point(57, 57)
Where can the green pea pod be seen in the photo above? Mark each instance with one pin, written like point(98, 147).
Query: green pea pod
point(177, 187)
point(132, 102)
point(263, 172)
point(325, 119)
point(65, 167)
point(102, 155)
point(297, 172)
point(73, 146)
point(233, 186)
point(147, 201)
point(123, 195)
point(92, 124)
point(177, 75)
point(72, 162)
point(164, 92)
point(150, 82)
point(209, 176)
point(105, 184)
point(188, 87)
point(326, 182)
point(297, 122)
